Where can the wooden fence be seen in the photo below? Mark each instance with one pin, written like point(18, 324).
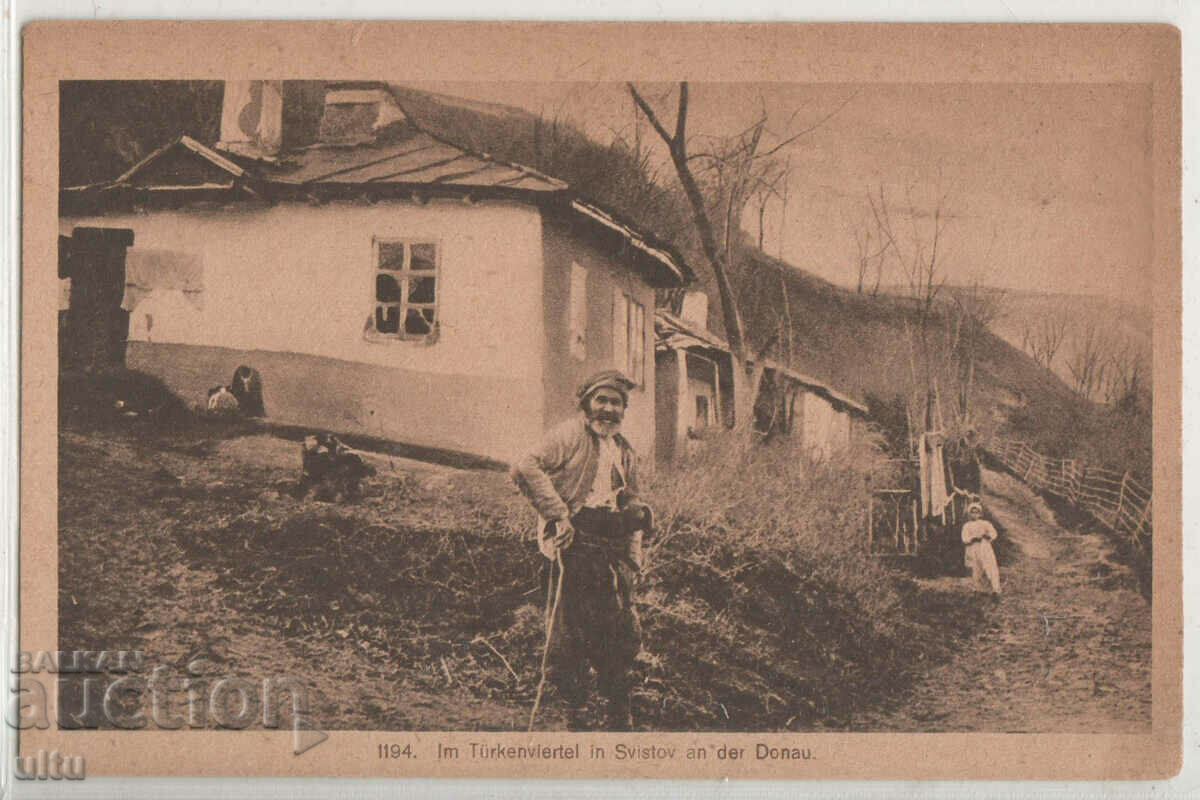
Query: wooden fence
point(893, 523)
point(1116, 500)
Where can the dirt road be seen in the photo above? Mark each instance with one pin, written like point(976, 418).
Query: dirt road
point(1067, 648)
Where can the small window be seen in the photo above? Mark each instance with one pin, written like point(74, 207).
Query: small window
point(577, 313)
point(629, 336)
point(406, 289)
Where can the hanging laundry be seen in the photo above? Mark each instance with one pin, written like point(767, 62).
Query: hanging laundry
point(934, 494)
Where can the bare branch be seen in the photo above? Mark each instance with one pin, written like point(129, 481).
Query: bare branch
point(649, 112)
point(809, 129)
point(681, 119)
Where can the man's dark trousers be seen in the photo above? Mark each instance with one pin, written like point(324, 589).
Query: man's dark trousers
point(597, 624)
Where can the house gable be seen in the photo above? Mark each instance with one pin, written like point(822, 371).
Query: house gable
point(181, 165)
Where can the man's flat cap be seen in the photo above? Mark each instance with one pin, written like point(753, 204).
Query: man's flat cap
point(608, 379)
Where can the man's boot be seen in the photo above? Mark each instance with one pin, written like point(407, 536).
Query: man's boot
point(620, 714)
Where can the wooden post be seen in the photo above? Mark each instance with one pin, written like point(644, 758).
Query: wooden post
point(1121, 496)
point(916, 525)
point(896, 530)
point(1137, 532)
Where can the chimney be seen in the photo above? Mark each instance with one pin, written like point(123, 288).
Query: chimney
point(695, 309)
point(357, 113)
point(252, 118)
point(303, 107)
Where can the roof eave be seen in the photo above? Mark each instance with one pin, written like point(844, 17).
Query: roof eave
point(679, 272)
point(712, 340)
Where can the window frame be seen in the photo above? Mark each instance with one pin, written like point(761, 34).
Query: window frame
point(577, 312)
point(626, 302)
point(403, 276)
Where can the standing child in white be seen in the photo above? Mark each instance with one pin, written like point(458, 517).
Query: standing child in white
point(978, 535)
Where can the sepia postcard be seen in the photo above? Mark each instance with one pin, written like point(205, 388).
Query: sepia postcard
point(543, 400)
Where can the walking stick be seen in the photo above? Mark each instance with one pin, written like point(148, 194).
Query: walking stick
point(551, 613)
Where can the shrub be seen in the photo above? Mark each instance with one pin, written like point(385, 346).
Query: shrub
point(763, 607)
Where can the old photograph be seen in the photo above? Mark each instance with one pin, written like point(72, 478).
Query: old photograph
point(758, 402)
point(775, 409)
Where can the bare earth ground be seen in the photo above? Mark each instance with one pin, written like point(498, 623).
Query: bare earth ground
point(190, 547)
point(131, 576)
point(1067, 647)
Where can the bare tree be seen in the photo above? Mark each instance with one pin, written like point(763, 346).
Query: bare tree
point(769, 184)
point(871, 247)
point(1043, 334)
point(737, 167)
point(1088, 361)
point(1126, 378)
point(973, 310)
point(677, 148)
point(920, 256)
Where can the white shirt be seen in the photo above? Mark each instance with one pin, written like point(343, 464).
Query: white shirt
point(603, 495)
point(978, 529)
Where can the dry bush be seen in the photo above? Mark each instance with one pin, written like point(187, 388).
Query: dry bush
point(762, 607)
point(740, 502)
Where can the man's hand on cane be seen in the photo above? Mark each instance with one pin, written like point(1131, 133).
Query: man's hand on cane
point(564, 534)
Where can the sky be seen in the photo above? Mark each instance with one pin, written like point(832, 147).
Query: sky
point(1048, 186)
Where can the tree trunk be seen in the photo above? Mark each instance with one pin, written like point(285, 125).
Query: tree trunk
point(746, 380)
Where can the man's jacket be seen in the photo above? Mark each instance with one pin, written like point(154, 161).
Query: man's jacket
point(558, 475)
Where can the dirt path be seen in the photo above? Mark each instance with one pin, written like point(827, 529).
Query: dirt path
point(1067, 647)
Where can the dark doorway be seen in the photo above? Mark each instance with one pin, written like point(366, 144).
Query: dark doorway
point(92, 331)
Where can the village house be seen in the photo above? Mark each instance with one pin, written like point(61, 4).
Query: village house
point(694, 388)
point(381, 280)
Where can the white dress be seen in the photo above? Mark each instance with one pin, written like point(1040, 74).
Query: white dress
point(978, 535)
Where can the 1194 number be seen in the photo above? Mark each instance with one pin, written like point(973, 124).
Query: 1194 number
point(395, 750)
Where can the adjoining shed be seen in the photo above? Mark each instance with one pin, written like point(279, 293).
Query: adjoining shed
point(695, 390)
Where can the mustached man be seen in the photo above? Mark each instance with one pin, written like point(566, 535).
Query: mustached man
point(582, 480)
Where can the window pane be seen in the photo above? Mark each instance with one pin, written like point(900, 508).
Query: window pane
point(387, 289)
point(424, 256)
point(637, 341)
point(391, 255)
point(387, 319)
point(421, 290)
point(418, 322)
